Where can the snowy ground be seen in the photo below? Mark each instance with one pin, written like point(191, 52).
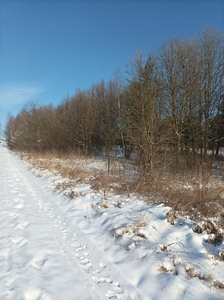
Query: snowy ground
point(52, 247)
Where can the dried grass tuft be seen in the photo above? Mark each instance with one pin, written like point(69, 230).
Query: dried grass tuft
point(133, 230)
point(218, 284)
point(162, 270)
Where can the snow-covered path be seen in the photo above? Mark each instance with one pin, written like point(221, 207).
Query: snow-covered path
point(36, 261)
point(40, 258)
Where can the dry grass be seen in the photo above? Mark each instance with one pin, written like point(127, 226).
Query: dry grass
point(117, 184)
point(206, 277)
point(199, 195)
point(191, 272)
point(64, 165)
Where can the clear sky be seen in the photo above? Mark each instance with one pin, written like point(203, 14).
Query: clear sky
point(50, 48)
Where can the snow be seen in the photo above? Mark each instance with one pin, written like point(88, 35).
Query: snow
point(55, 247)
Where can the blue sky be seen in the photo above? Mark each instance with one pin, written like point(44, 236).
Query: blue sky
point(51, 48)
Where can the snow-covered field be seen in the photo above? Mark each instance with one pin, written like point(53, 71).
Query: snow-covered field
point(52, 247)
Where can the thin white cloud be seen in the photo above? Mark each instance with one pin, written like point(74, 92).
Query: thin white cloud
point(13, 94)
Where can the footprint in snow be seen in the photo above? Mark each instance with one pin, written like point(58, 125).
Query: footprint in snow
point(119, 295)
point(16, 200)
point(96, 279)
point(20, 205)
point(63, 229)
point(39, 261)
point(65, 236)
point(102, 280)
point(15, 191)
point(35, 294)
point(49, 214)
point(75, 243)
point(23, 225)
point(79, 249)
point(83, 261)
point(88, 266)
point(13, 215)
point(111, 295)
point(10, 284)
point(57, 223)
point(19, 241)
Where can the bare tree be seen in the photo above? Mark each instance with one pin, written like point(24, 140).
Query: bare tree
point(191, 81)
point(211, 53)
point(144, 124)
point(107, 123)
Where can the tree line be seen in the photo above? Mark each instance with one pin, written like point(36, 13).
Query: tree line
point(168, 109)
